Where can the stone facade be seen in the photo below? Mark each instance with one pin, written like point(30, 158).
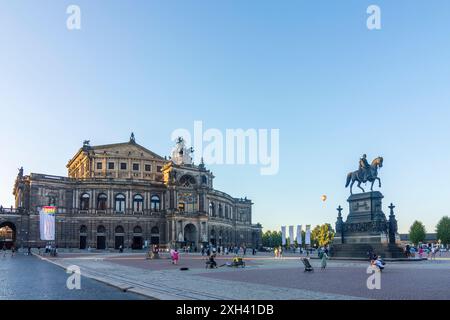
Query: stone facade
point(124, 194)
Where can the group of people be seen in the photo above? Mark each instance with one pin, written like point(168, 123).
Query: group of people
point(14, 250)
point(428, 251)
point(51, 250)
point(278, 252)
point(5, 250)
point(225, 250)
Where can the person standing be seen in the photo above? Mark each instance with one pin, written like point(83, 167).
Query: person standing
point(4, 250)
point(275, 251)
point(176, 257)
point(433, 253)
point(323, 262)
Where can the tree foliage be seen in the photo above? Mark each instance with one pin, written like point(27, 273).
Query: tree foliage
point(271, 239)
point(322, 235)
point(443, 230)
point(417, 232)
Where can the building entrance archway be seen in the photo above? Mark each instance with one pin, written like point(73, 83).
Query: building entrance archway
point(7, 235)
point(190, 235)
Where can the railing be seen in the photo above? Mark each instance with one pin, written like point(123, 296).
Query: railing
point(127, 212)
point(10, 210)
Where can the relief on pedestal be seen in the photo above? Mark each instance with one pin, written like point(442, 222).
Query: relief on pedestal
point(359, 206)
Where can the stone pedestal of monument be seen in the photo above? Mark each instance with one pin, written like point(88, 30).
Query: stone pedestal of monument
point(366, 229)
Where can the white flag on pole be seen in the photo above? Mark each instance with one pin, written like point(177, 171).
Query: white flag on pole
point(299, 235)
point(291, 235)
point(308, 235)
point(283, 235)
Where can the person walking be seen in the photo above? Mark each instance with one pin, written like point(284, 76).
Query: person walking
point(433, 253)
point(323, 262)
point(176, 257)
point(275, 251)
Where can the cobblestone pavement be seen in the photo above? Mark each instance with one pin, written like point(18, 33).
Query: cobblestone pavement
point(28, 278)
point(264, 278)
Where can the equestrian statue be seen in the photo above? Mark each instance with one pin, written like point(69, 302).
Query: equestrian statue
point(365, 173)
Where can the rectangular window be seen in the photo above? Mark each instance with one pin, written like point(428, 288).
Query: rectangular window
point(159, 168)
point(148, 167)
point(123, 166)
point(135, 166)
point(111, 165)
point(99, 166)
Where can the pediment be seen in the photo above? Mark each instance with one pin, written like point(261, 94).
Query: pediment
point(127, 149)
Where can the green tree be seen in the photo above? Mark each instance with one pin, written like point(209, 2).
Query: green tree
point(322, 235)
point(417, 232)
point(315, 236)
point(443, 230)
point(266, 238)
point(271, 239)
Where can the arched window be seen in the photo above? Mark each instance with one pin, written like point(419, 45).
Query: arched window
point(84, 201)
point(155, 231)
point(138, 202)
point(155, 203)
point(204, 180)
point(101, 201)
point(220, 211)
point(187, 181)
point(212, 209)
point(137, 229)
point(51, 200)
point(119, 203)
point(119, 229)
point(101, 229)
point(83, 229)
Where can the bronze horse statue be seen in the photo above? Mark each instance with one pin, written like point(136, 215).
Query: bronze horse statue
point(371, 176)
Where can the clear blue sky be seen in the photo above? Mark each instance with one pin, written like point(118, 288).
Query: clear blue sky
point(310, 68)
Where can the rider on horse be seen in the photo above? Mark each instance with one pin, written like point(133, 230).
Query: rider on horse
point(364, 168)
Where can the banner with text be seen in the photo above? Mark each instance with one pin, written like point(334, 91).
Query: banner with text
point(283, 236)
point(47, 223)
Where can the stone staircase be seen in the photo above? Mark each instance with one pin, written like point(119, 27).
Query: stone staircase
point(360, 250)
